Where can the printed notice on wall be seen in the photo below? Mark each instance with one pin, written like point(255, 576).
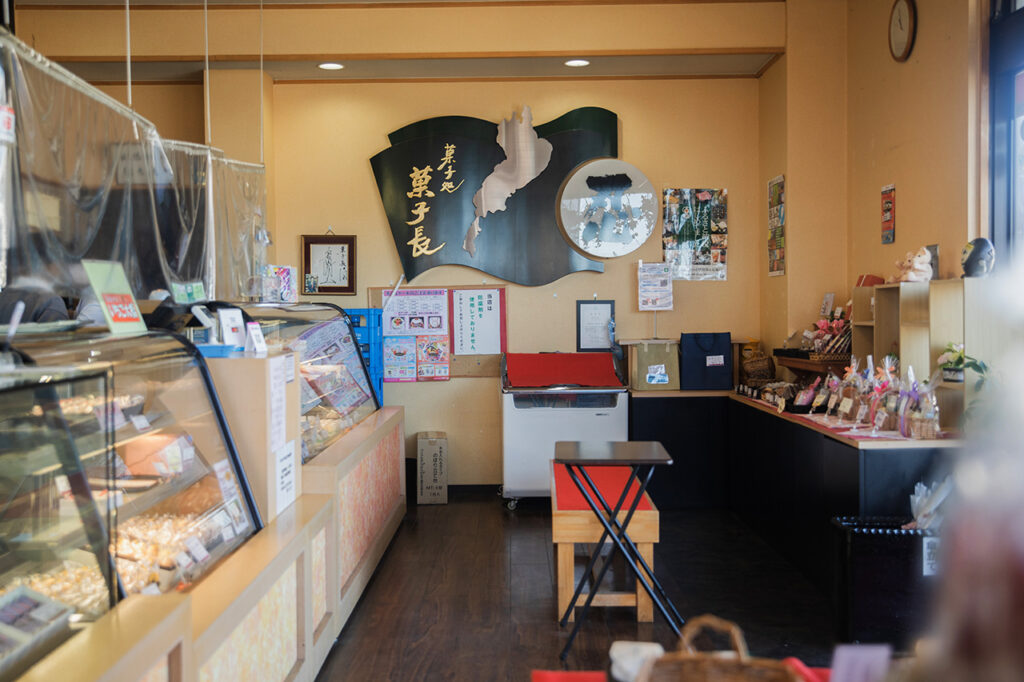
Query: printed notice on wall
point(284, 475)
point(278, 404)
point(655, 290)
point(777, 226)
point(416, 312)
point(476, 321)
point(889, 214)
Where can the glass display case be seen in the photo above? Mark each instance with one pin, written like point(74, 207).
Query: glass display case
point(55, 569)
point(336, 392)
point(177, 494)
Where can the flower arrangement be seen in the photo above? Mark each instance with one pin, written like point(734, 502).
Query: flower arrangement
point(953, 361)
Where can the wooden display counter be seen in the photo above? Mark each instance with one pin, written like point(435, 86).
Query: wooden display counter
point(364, 471)
point(145, 638)
point(272, 610)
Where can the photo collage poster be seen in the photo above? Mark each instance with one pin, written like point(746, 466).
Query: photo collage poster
point(416, 339)
point(695, 233)
point(889, 214)
point(777, 226)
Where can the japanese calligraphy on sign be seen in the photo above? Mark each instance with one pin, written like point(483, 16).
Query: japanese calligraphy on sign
point(421, 178)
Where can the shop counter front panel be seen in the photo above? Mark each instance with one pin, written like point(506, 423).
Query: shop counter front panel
point(264, 646)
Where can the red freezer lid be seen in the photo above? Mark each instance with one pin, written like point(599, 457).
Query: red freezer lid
point(534, 370)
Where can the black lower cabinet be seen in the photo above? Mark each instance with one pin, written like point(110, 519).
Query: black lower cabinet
point(693, 431)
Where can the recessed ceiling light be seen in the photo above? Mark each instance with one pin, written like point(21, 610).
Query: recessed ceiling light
point(577, 62)
point(331, 66)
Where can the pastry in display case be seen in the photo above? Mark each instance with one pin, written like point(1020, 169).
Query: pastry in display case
point(336, 392)
point(55, 568)
point(172, 481)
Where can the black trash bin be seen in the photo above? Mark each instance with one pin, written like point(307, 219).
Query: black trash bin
point(882, 584)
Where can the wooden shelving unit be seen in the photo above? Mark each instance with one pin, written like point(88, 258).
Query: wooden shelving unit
point(901, 325)
point(862, 322)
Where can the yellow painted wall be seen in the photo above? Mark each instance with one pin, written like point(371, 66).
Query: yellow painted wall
point(816, 174)
point(909, 126)
point(175, 109)
point(772, 141)
point(680, 133)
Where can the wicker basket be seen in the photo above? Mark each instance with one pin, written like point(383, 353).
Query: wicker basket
point(758, 369)
point(687, 665)
point(830, 357)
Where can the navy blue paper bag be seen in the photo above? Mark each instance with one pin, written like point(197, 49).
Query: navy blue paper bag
point(705, 361)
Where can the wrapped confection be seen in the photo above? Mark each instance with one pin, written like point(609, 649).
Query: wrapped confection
point(884, 413)
point(849, 393)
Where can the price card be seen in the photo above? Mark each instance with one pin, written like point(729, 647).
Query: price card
point(715, 360)
point(151, 588)
point(782, 405)
point(61, 481)
point(47, 612)
point(141, 423)
point(196, 549)
point(880, 419)
point(228, 533)
point(862, 412)
point(818, 400)
point(184, 561)
point(832, 400)
point(846, 405)
point(172, 455)
point(254, 341)
point(188, 453)
point(109, 411)
point(226, 479)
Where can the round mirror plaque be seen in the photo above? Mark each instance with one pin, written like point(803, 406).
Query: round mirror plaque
point(608, 208)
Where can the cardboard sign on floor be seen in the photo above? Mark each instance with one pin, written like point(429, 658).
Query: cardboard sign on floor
point(432, 467)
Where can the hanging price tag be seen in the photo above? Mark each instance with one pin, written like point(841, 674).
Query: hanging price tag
point(880, 419)
point(846, 405)
point(818, 400)
point(862, 412)
point(196, 549)
point(832, 400)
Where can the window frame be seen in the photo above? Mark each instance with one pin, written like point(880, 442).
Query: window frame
point(1006, 60)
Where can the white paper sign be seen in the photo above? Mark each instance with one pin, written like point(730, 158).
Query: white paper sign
point(715, 360)
point(289, 368)
point(196, 549)
point(183, 560)
point(141, 423)
point(232, 329)
point(476, 321)
point(846, 405)
point(284, 476)
point(278, 404)
point(654, 286)
point(929, 555)
point(254, 341)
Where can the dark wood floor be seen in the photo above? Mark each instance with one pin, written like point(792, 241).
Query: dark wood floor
point(466, 591)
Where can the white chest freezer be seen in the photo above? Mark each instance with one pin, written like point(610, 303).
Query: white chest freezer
point(548, 397)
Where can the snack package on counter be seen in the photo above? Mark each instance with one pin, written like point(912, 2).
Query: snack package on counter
point(924, 419)
point(833, 384)
point(806, 396)
point(849, 393)
point(884, 413)
point(820, 401)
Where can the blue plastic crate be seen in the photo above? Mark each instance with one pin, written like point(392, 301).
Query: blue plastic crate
point(366, 325)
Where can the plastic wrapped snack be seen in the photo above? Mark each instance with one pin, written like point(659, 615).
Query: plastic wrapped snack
point(884, 413)
point(849, 393)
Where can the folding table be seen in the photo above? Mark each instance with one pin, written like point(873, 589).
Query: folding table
point(641, 457)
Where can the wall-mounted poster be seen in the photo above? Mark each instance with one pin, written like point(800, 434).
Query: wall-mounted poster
point(420, 318)
point(777, 226)
point(695, 233)
point(889, 214)
point(328, 264)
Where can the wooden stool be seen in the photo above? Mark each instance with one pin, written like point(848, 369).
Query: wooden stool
point(572, 522)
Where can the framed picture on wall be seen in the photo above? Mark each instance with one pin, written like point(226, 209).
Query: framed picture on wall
point(328, 264)
point(593, 325)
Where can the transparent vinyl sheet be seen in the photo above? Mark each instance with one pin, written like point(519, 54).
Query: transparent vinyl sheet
point(83, 177)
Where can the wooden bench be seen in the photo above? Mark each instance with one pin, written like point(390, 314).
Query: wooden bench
point(572, 522)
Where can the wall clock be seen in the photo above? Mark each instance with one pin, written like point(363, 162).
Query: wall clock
point(902, 29)
point(608, 208)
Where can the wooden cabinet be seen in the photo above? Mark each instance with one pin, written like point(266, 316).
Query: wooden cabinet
point(892, 318)
point(964, 311)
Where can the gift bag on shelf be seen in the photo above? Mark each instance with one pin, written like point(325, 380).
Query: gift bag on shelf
point(705, 361)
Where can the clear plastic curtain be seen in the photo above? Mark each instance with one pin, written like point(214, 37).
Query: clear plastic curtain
point(82, 176)
point(241, 234)
point(183, 202)
point(79, 179)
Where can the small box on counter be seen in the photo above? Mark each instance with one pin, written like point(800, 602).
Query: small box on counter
point(432, 467)
point(653, 364)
